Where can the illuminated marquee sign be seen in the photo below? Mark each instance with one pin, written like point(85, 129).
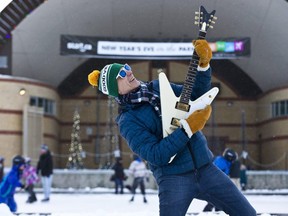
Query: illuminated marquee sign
point(103, 48)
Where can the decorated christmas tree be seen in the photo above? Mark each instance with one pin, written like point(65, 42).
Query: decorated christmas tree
point(76, 152)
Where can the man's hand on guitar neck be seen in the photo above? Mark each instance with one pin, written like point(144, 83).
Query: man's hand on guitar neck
point(196, 121)
point(204, 52)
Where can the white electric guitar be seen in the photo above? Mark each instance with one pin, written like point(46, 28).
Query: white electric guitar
point(175, 108)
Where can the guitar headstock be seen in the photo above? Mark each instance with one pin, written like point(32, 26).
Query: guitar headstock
point(204, 19)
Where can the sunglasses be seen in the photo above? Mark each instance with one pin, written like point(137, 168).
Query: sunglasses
point(122, 73)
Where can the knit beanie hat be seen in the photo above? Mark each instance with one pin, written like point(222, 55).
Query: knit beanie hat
point(44, 147)
point(106, 79)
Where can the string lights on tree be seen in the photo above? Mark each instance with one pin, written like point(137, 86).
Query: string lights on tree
point(76, 152)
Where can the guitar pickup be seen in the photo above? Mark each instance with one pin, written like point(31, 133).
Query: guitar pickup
point(175, 122)
point(182, 106)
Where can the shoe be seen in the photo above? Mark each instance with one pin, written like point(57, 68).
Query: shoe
point(45, 200)
point(33, 200)
point(132, 199)
point(128, 187)
point(145, 200)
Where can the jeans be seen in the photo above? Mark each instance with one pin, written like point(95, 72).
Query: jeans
point(138, 181)
point(119, 184)
point(176, 192)
point(46, 183)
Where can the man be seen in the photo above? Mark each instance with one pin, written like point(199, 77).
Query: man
point(1, 168)
point(118, 176)
point(224, 161)
point(191, 174)
point(45, 168)
point(235, 172)
point(139, 172)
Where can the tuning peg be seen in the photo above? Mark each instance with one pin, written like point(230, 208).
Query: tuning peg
point(215, 18)
point(196, 17)
point(212, 22)
point(196, 12)
point(196, 23)
point(210, 26)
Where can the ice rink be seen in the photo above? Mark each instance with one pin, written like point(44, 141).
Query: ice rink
point(109, 204)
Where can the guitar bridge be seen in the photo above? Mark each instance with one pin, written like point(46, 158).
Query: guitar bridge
point(182, 106)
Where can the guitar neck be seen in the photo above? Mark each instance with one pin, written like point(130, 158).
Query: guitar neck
point(191, 75)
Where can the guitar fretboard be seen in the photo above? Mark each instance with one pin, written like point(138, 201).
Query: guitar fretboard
point(191, 75)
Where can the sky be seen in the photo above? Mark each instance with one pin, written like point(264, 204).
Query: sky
point(105, 203)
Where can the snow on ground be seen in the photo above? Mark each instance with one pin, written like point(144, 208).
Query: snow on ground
point(108, 204)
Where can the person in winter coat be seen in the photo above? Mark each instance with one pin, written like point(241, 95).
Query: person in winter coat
point(11, 181)
point(31, 178)
point(1, 168)
point(119, 176)
point(191, 174)
point(139, 172)
point(45, 168)
point(243, 177)
point(224, 161)
point(235, 172)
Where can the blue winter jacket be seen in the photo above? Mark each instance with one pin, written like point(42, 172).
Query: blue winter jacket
point(141, 126)
point(10, 182)
point(222, 164)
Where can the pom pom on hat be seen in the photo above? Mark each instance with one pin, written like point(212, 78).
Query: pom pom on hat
point(106, 79)
point(93, 77)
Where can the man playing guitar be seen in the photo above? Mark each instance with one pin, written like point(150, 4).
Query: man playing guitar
point(191, 174)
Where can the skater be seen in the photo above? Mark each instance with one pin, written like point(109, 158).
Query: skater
point(191, 174)
point(139, 172)
point(243, 177)
point(118, 176)
point(1, 168)
point(45, 168)
point(31, 178)
point(235, 172)
point(11, 181)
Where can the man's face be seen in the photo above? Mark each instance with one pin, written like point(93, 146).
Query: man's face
point(42, 151)
point(127, 83)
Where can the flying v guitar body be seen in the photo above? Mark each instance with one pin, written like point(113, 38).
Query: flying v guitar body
point(169, 101)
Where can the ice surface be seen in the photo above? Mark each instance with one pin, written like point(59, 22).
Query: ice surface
point(104, 203)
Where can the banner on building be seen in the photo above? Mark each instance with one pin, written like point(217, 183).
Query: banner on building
point(94, 47)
